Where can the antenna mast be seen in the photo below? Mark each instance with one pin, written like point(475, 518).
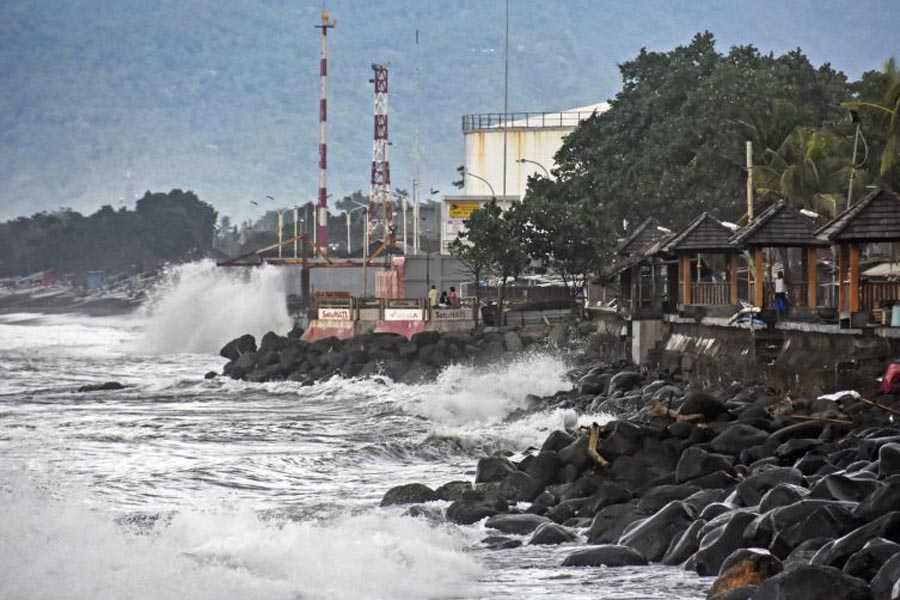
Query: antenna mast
point(322, 208)
point(380, 208)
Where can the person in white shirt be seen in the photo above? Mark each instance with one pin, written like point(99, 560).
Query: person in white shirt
point(781, 300)
point(432, 297)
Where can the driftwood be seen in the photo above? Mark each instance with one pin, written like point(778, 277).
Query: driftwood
point(887, 409)
point(820, 419)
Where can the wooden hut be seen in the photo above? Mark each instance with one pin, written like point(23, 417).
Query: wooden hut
point(698, 247)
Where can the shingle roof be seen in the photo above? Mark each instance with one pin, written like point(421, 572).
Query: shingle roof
point(650, 250)
point(779, 225)
point(643, 235)
point(875, 218)
point(704, 234)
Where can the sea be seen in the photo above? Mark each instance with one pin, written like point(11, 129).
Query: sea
point(181, 487)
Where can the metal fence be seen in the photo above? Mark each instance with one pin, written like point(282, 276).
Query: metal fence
point(528, 120)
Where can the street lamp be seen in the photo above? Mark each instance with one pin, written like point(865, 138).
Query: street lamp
point(480, 178)
point(347, 214)
point(522, 161)
point(417, 217)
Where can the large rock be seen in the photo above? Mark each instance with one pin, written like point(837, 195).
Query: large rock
point(551, 534)
point(696, 462)
point(605, 556)
point(702, 403)
point(812, 583)
point(751, 490)
point(272, 342)
point(493, 468)
point(620, 438)
point(685, 546)
point(519, 524)
point(868, 560)
point(512, 342)
point(520, 487)
point(836, 553)
point(410, 493)
point(611, 521)
point(653, 537)
point(889, 460)
point(882, 500)
point(557, 440)
point(657, 497)
point(745, 567)
point(782, 495)
point(453, 490)
point(576, 453)
point(473, 507)
point(886, 579)
point(716, 545)
point(242, 345)
point(737, 437)
point(624, 381)
point(841, 487)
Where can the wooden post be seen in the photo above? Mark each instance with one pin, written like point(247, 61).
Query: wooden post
point(732, 279)
point(811, 278)
point(842, 277)
point(685, 276)
point(759, 277)
point(853, 275)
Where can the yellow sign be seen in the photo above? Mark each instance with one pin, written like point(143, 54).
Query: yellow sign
point(462, 210)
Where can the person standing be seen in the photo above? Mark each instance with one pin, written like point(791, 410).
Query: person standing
point(453, 297)
point(781, 301)
point(432, 297)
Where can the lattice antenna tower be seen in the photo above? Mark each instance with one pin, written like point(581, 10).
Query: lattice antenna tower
point(381, 214)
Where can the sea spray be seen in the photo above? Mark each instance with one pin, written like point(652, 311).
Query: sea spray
point(54, 548)
point(198, 307)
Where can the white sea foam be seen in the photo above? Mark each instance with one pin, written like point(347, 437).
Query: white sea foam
point(200, 306)
point(52, 549)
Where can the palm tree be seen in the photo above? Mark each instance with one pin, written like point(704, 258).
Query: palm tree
point(810, 169)
point(886, 112)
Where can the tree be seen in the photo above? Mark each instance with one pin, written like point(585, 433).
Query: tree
point(672, 143)
point(884, 114)
point(810, 169)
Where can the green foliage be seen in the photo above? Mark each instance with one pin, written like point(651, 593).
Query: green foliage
point(163, 227)
point(810, 169)
point(672, 143)
point(878, 98)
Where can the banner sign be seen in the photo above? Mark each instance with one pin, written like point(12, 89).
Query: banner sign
point(334, 314)
point(402, 314)
point(462, 210)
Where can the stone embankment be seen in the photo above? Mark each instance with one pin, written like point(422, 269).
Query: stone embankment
point(418, 359)
point(777, 498)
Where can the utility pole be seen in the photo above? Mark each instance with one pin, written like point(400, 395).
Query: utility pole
point(749, 181)
point(322, 209)
point(296, 232)
point(505, 95)
point(415, 218)
point(853, 160)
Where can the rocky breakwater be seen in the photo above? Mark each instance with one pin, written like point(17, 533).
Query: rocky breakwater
point(774, 498)
point(418, 359)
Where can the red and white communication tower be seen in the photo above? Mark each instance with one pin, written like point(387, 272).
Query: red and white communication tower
point(380, 208)
point(322, 210)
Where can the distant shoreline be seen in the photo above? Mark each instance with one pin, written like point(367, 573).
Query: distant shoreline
point(65, 301)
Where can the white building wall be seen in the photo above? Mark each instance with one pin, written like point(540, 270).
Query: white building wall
point(484, 157)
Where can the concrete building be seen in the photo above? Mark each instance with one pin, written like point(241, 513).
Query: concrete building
point(533, 136)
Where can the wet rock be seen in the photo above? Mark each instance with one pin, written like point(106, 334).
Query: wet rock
point(499, 542)
point(610, 522)
point(711, 511)
point(883, 500)
point(429, 513)
point(889, 460)
point(836, 553)
point(238, 346)
point(805, 429)
point(556, 441)
point(272, 342)
point(576, 453)
point(745, 567)
point(716, 545)
point(605, 556)
point(101, 387)
point(453, 490)
point(473, 507)
point(517, 524)
point(796, 448)
point(551, 534)
point(782, 495)
point(803, 553)
point(719, 480)
point(741, 593)
point(885, 581)
point(699, 500)
point(657, 497)
point(696, 462)
point(410, 493)
point(621, 438)
point(493, 468)
point(812, 583)
point(751, 490)
point(737, 437)
point(210, 375)
point(841, 487)
point(702, 403)
point(520, 487)
point(604, 495)
point(653, 537)
point(685, 545)
point(624, 381)
point(425, 338)
point(868, 560)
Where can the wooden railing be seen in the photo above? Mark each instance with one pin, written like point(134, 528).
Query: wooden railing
point(710, 292)
point(873, 294)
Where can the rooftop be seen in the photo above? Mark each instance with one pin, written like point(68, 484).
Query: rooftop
point(566, 119)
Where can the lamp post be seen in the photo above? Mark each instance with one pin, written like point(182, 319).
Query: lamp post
point(348, 213)
point(522, 161)
point(480, 178)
